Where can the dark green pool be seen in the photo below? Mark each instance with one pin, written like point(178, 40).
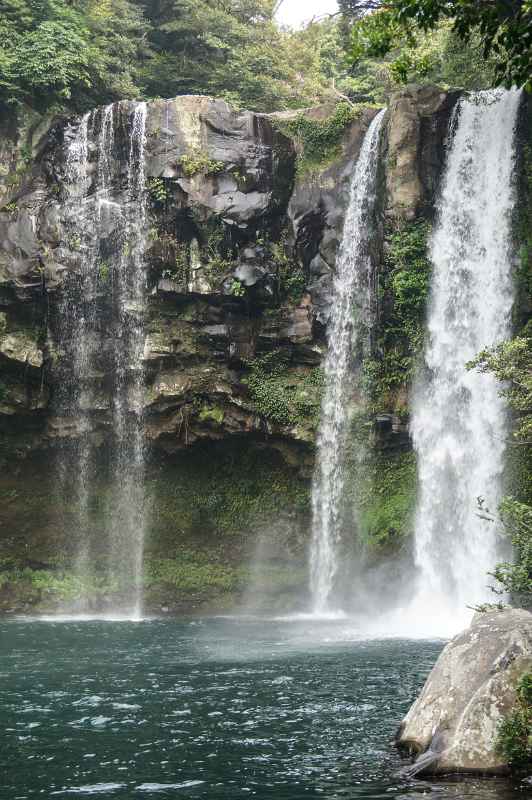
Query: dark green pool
point(219, 708)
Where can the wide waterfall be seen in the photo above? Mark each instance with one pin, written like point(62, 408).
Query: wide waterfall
point(102, 331)
point(349, 310)
point(458, 425)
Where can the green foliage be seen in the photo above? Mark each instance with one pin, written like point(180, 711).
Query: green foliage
point(55, 586)
point(515, 578)
point(515, 733)
point(214, 498)
point(191, 571)
point(237, 288)
point(53, 52)
point(524, 225)
point(283, 395)
point(236, 50)
point(318, 141)
point(405, 282)
point(197, 162)
point(212, 414)
point(158, 190)
point(104, 271)
point(290, 276)
point(387, 497)
point(503, 30)
point(511, 363)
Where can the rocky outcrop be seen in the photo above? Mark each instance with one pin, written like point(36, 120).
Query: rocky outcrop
point(316, 210)
point(472, 688)
point(418, 127)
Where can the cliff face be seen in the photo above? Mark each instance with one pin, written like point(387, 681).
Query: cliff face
point(241, 243)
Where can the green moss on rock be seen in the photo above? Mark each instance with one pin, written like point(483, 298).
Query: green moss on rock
point(387, 499)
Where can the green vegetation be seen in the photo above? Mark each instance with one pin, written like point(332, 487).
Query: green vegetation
point(212, 414)
point(502, 29)
point(191, 571)
point(158, 190)
point(404, 282)
point(318, 140)
point(57, 55)
point(387, 496)
point(45, 585)
point(284, 395)
point(212, 505)
point(54, 53)
point(196, 162)
point(515, 733)
point(104, 271)
point(237, 288)
point(524, 227)
point(511, 364)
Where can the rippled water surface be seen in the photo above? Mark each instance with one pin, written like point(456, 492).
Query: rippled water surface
point(221, 708)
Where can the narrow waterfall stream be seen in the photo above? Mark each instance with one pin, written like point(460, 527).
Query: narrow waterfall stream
point(458, 425)
point(127, 519)
point(350, 300)
point(102, 311)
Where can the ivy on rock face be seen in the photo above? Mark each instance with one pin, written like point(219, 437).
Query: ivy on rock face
point(404, 286)
point(284, 395)
point(319, 139)
point(515, 733)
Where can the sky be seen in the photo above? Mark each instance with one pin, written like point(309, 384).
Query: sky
point(296, 12)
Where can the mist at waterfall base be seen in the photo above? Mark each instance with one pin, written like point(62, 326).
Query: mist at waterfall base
point(217, 709)
point(459, 424)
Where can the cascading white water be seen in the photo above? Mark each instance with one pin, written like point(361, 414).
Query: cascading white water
point(75, 320)
point(459, 420)
point(107, 225)
point(349, 310)
point(128, 516)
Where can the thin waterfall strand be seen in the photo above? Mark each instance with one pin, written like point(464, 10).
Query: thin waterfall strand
point(96, 212)
point(350, 293)
point(128, 518)
point(459, 419)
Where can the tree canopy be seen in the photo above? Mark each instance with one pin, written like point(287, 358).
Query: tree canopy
point(503, 29)
point(75, 54)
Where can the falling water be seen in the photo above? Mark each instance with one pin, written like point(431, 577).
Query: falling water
point(75, 322)
point(107, 225)
point(459, 426)
point(350, 295)
point(128, 515)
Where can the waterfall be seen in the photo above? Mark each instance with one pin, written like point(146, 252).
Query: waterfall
point(351, 303)
point(101, 316)
point(128, 516)
point(75, 323)
point(458, 425)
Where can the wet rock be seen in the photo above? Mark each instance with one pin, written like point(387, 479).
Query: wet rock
point(418, 124)
point(471, 689)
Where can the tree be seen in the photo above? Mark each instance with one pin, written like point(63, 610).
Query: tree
point(511, 363)
point(504, 28)
point(54, 53)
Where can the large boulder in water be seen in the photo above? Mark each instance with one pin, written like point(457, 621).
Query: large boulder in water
point(454, 723)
